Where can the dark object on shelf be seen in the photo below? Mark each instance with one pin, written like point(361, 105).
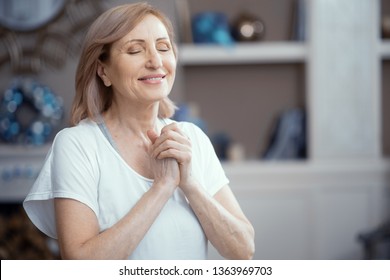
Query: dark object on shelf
point(288, 140)
point(20, 239)
point(299, 21)
point(184, 19)
point(221, 142)
point(248, 27)
point(376, 243)
point(189, 112)
point(386, 27)
point(211, 27)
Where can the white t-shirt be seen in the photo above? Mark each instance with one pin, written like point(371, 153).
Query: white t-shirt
point(83, 165)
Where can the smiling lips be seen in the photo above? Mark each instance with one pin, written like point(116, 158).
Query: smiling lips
point(152, 78)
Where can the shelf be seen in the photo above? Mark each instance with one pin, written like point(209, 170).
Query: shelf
point(299, 167)
point(384, 49)
point(20, 151)
point(242, 53)
point(274, 175)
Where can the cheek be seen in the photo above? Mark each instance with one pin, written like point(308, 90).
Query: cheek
point(172, 66)
point(172, 76)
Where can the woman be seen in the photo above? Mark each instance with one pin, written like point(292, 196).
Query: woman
point(125, 181)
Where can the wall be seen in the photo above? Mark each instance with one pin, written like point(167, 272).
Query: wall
point(251, 97)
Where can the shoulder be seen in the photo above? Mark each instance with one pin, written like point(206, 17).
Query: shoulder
point(83, 134)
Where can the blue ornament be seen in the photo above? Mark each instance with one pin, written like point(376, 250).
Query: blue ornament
point(211, 27)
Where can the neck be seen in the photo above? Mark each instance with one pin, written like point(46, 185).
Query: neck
point(132, 120)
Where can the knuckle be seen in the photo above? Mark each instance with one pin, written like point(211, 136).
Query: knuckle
point(170, 134)
point(174, 125)
point(168, 143)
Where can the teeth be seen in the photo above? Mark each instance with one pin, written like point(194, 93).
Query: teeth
point(152, 78)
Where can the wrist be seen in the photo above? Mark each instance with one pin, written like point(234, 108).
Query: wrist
point(164, 187)
point(189, 186)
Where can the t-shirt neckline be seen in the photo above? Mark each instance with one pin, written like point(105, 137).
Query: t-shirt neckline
point(109, 141)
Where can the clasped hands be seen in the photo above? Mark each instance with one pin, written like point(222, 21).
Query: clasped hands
point(170, 154)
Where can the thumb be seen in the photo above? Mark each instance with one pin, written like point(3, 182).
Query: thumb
point(152, 135)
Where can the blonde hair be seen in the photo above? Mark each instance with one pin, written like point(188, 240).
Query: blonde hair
point(92, 96)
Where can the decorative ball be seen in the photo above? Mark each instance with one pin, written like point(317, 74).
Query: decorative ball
point(29, 112)
point(248, 27)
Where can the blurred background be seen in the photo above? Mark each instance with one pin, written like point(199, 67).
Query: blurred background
point(294, 94)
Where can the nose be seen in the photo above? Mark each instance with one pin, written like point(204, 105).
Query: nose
point(154, 59)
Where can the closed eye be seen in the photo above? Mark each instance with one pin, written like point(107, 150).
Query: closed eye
point(134, 51)
point(163, 47)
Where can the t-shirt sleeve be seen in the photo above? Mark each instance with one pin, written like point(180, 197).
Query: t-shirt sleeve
point(212, 175)
point(69, 171)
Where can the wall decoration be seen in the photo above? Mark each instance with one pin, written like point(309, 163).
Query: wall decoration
point(29, 112)
point(42, 33)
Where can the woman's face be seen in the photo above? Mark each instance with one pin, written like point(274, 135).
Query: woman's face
point(142, 64)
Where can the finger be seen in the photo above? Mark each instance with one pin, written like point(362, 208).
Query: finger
point(173, 127)
point(169, 144)
point(152, 135)
point(180, 156)
point(172, 135)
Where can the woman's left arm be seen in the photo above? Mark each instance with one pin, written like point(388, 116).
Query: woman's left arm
point(221, 217)
point(223, 221)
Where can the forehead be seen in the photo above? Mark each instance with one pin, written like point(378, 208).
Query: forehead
point(150, 27)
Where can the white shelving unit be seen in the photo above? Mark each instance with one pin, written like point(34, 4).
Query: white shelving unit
point(322, 204)
point(242, 53)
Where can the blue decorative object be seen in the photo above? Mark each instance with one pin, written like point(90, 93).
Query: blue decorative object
point(29, 112)
point(288, 140)
point(188, 112)
point(221, 143)
point(211, 27)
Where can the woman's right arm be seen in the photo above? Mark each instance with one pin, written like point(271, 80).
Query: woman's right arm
point(78, 228)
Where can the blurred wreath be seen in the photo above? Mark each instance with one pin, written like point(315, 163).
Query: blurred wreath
point(29, 112)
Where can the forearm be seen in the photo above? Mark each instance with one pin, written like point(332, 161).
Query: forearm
point(232, 236)
point(120, 240)
point(131, 229)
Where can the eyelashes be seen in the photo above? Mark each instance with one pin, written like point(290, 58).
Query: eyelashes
point(161, 48)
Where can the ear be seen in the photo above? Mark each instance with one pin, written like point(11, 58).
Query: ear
point(101, 71)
